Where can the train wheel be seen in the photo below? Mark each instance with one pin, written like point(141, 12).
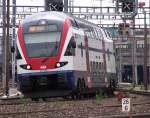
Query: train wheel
point(111, 88)
point(35, 99)
point(67, 97)
point(34, 84)
point(79, 93)
point(44, 99)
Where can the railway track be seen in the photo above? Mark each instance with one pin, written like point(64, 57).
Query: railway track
point(19, 101)
point(12, 114)
point(55, 106)
point(1, 91)
point(135, 92)
point(137, 115)
point(27, 112)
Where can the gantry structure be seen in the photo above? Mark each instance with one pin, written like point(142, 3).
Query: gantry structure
point(93, 14)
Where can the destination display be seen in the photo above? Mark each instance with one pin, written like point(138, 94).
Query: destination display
point(38, 28)
point(42, 28)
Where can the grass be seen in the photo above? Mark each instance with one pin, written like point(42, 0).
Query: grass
point(100, 95)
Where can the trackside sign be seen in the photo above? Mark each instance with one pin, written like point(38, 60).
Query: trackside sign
point(126, 104)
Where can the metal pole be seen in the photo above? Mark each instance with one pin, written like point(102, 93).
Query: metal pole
point(66, 6)
point(149, 44)
point(7, 61)
point(3, 48)
point(120, 65)
point(145, 51)
point(1, 41)
point(100, 11)
point(70, 6)
point(14, 43)
point(134, 65)
point(0, 9)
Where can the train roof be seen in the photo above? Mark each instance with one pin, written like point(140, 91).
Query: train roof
point(57, 16)
point(45, 15)
point(60, 16)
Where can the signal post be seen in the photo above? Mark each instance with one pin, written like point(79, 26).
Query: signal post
point(128, 11)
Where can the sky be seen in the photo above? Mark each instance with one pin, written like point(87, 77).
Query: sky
point(76, 2)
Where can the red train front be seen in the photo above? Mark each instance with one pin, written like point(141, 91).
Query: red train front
point(40, 42)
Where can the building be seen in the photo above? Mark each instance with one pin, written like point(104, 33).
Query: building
point(130, 56)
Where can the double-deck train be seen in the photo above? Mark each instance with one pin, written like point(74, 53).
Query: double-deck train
point(59, 54)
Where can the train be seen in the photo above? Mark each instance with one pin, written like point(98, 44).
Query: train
point(59, 55)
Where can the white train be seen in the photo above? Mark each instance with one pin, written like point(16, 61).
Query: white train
point(59, 54)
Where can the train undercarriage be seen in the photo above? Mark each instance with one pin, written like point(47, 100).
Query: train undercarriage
point(57, 85)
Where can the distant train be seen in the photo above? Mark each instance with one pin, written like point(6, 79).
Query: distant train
point(59, 54)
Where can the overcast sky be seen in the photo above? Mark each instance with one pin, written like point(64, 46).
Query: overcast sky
point(80, 3)
point(76, 2)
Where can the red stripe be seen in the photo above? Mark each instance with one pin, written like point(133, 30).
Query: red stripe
point(89, 81)
point(21, 41)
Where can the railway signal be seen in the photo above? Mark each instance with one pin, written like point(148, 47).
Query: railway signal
point(53, 5)
point(123, 29)
point(128, 9)
point(127, 6)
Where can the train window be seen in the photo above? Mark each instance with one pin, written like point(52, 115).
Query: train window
point(88, 34)
point(42, 48)
point(94, 66)
point(97, 66)
point(140, 45)
point(74, 23)
point(18, 55)
point(109, 34)
point(108, 54)
point(81, 50)
point(70, 51)
point(105, 33)
point(96, 34)
point(102, 66)
point(100, 34)
point(91, 66)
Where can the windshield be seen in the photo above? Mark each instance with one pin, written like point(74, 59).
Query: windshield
point(42, 44)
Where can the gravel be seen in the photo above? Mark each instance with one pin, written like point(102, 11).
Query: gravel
point(90, 108)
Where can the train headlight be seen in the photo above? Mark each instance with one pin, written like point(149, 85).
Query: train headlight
point(28, 67)
point(60, 64)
